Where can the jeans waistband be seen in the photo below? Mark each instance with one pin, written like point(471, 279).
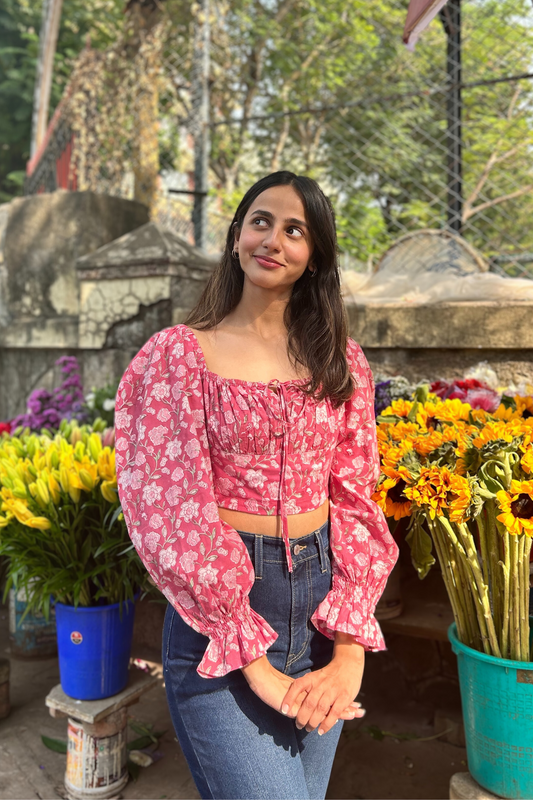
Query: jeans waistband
point(273, 547)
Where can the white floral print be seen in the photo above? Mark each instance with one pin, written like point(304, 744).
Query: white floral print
point(189, 441)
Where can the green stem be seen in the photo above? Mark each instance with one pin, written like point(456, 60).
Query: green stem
point(494, 547)
point(514, 600)
point(467, 542)
point(526, 585)
point(523, 563)
point(506, 572)
point(448, 577)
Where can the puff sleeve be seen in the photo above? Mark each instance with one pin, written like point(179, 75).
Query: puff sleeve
point(363, 549)
point(165, 483)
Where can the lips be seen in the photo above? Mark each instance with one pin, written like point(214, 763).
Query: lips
point(266, 262)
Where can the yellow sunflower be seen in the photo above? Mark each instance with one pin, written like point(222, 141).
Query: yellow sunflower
point(403, 430)
point(399, 408)
point(517, 508)
point(453, 411)
point(527, 460)
point(524, 406)
point(390, 495)
point(431, 490)
point(459, 498)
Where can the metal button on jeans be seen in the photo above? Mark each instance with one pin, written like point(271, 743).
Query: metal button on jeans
point(297, 549)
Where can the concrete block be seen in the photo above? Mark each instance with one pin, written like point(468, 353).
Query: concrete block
point(464, 787)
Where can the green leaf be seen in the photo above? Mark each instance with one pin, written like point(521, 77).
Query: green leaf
point(57, 745)
point(133, 770)
point(421, 547)
point(140, 743)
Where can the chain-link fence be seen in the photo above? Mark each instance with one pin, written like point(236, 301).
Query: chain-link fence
point(400, 141)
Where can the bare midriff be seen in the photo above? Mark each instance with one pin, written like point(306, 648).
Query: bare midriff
point(298, 524)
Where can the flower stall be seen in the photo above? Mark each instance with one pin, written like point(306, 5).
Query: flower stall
point(462, 473)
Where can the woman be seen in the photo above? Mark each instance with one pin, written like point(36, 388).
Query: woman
point(246, 460)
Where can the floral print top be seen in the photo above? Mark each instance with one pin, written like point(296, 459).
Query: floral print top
point(188, 441)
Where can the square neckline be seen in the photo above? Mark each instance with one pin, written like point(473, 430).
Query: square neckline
point(240, 381)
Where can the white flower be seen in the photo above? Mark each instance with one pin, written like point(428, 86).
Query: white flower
point(152, 493)
point(254, 478)
point(89, 400)
point(108, 404)
point(152, 541)
point(157, 435)
point(192, 448)
point(211, 512)
point(189, 510)
point(173, 495)
point(207, 575)
point(187, 561)
point(167, 558)
point(230, 578)
point(160, 391)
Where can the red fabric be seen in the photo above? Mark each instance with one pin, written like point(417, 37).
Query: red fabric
point(188, 441)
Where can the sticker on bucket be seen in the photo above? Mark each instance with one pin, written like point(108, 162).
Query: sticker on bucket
point(76, 637)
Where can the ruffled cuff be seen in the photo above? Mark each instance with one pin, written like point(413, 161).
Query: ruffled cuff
point(344, 609)
point(235, 642)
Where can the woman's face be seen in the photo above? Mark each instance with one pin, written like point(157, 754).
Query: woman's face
point(274, 243)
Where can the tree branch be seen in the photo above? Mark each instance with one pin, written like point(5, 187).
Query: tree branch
point(497, 200)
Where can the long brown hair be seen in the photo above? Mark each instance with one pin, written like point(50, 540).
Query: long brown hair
point(315, 316)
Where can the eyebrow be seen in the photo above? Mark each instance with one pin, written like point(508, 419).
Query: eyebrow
point(290, 220)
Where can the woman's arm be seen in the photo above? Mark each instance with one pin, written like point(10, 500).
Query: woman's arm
point(165, 483)
point(364, 554)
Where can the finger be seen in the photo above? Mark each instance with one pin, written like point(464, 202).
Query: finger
point(352, 713)
point(299, 686)
point(295, 708)
point(336, 713)
point(308, 707)
point(321, 711)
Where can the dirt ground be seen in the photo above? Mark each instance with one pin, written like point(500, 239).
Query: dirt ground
point(391, 753)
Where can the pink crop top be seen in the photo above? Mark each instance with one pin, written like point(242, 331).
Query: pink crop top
point(188, 441)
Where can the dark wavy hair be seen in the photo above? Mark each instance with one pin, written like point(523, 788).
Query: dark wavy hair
point(315, 316)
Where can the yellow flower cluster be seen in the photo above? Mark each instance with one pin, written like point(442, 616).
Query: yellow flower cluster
point(42, 476)
point(445, 458)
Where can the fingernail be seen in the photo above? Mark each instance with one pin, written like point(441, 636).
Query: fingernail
point(285, 709)
point(299, 726)
point(320, 732)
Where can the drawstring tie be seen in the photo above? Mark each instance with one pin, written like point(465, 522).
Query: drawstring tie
point(286, 424)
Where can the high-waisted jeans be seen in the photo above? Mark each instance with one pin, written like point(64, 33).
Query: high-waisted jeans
point(237, 747)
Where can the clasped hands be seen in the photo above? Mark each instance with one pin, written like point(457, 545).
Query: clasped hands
point(319, 698)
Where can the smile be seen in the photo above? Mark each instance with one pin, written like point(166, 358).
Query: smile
point(269, 263)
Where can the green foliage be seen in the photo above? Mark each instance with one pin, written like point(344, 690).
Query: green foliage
point(20, 23)
point(57, 745)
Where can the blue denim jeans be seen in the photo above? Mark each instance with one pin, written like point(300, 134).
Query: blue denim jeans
point(237, 746)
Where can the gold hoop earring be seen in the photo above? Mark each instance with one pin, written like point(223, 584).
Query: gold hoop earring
point(234, 254)
point(313, 272)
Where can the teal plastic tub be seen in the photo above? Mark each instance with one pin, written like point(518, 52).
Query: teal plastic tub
point(497, 698)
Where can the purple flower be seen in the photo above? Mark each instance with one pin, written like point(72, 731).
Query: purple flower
point(46, 409)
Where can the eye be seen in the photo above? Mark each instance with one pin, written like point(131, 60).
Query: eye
point(295, 231)
point(257, 220)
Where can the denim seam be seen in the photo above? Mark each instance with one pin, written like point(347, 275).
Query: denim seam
point(169, 636)
point(308, 614)
point(295, 562)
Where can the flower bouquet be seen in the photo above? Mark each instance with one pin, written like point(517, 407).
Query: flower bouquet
point(61, 527)
point(464, 476)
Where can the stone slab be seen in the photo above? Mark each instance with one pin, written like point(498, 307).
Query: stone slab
point(21, 777)
point(95, 710)
point(456, 326)
point(464, 787)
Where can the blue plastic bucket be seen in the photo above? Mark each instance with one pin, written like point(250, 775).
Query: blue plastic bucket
point(94, 646)
point(497, 699)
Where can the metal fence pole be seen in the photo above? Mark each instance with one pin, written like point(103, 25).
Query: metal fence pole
point(51, 19)
point(201, 125)
point(451, 17)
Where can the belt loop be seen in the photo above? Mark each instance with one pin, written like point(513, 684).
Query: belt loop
point(258, 556)
point(321, 551)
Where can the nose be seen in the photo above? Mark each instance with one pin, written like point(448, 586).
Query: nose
point(272, 238)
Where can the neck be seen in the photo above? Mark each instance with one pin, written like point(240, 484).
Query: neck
point(261, 311)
